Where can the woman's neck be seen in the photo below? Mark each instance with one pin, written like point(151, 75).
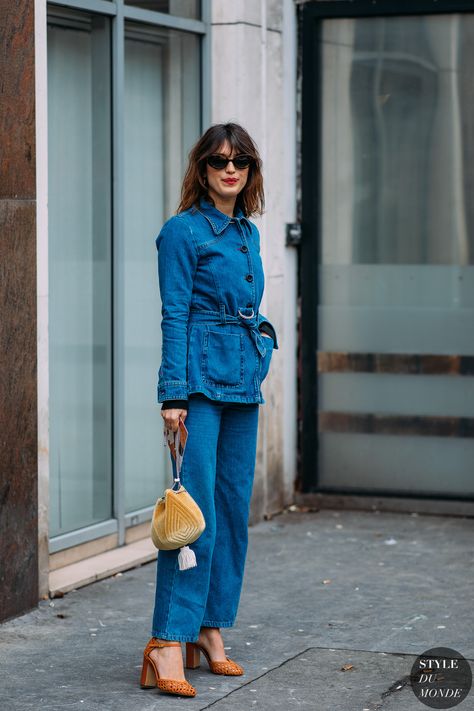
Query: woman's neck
point(225, 205)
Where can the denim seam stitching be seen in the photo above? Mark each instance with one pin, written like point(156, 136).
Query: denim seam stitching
point(171, 595)
point(217, 230)
point(206, 378)
point(193, 239)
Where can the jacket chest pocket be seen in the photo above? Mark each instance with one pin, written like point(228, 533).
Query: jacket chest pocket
point(223, 358)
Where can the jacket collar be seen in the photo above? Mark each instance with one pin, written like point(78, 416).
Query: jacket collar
point(217, 219)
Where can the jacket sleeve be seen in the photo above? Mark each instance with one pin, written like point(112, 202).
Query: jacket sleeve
point(177, 264)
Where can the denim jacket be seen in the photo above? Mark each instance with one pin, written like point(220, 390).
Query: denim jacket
point(211, 283)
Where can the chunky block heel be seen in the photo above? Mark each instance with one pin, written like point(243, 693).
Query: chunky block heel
point(193, 656)
point(150, 676)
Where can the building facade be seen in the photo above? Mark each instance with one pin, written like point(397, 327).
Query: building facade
point(361, 114)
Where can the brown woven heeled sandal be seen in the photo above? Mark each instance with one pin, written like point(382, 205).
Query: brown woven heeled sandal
point(150, 676)
point(193, 660)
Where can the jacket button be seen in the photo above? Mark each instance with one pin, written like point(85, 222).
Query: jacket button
point(249, 305)
point(244, 248)
point(249, 277)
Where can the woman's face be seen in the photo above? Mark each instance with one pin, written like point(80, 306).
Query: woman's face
point(229, 181)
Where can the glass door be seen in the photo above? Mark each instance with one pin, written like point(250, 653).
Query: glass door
point(161, 124)
point(80, 328)
point(391, 215)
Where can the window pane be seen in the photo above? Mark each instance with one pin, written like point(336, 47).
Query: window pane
point(162, 110)
point(182, 8)
point(79, 272)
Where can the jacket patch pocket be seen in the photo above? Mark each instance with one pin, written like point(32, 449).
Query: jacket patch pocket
point(223, 358)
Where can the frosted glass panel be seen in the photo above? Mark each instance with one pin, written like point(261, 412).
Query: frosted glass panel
point(395, 286)
point(79, 275)
point(446, 395)
point(161, 123)
point(413, 465)
point(397, 309)
point(397, 330)
point(397, 246)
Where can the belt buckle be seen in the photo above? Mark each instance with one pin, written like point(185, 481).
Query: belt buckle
point(244, 316)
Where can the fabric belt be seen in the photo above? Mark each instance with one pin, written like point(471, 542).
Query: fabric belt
point(249, 321)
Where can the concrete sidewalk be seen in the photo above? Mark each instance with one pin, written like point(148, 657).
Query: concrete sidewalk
point(322, 590)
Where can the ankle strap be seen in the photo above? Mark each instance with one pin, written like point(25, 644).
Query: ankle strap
point(153, 642)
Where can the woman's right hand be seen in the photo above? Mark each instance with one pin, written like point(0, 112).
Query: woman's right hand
point(171, 417)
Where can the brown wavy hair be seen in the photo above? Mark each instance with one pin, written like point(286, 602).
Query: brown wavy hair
point(251, 198)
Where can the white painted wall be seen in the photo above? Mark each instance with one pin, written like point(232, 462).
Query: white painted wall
point(254, 83)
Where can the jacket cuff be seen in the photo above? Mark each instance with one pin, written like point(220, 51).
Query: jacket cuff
point(180, 404)
point(172, 390)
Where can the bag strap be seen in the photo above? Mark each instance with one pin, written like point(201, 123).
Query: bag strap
point(176, 466)
point(177, 478)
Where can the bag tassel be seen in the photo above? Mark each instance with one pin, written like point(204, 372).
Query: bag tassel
point(186, 558)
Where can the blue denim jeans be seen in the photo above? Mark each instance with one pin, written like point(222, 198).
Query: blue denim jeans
point(218, 471)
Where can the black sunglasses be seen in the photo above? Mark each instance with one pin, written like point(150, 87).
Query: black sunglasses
point(220, 162)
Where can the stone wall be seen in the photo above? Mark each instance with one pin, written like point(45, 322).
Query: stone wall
point(18, 363)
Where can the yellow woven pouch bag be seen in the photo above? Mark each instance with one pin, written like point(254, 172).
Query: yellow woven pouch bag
point(177, 519)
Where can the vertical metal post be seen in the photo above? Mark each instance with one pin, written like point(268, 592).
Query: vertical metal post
point(118, 251)
point(206, 66)
point(310, 254)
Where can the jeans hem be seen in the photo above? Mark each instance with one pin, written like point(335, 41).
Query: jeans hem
point(217, 623)
point(175, 637)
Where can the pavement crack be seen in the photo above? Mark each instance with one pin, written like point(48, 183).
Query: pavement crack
point(397, 686)
point(256, 678)
point(393, 689)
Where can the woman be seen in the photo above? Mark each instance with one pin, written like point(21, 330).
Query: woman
point(216, 352)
